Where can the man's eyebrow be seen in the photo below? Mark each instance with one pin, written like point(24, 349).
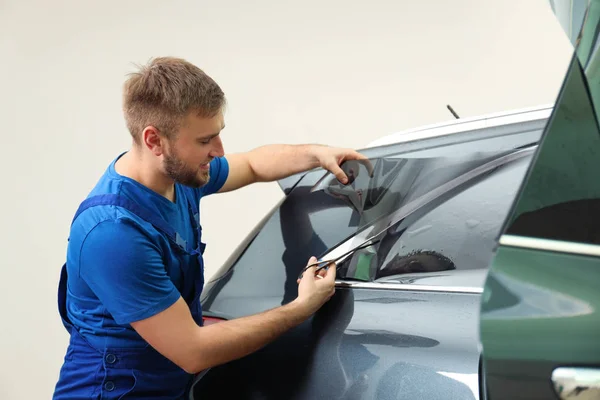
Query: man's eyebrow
point(212, 135)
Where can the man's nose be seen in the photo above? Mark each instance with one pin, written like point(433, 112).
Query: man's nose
point(217, 150)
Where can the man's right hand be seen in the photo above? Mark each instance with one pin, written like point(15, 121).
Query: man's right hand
point(175, 335)
point(315, 290)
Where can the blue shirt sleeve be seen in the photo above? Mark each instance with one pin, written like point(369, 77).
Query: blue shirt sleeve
point(125, 271)
point(219, 171)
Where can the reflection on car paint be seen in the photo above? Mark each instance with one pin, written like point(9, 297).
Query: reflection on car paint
point(529, 300)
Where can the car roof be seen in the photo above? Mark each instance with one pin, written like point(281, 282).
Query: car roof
point(523, 119)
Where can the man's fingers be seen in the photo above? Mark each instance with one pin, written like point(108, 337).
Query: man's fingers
point(369, 166)
point(331, 272)
point(337, 171)
point(355, 155)
point(362, 159)
point(322, 273)
point(328, 274)
point(310, 273)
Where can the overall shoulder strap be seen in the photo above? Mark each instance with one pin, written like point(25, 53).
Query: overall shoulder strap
point(117, 200)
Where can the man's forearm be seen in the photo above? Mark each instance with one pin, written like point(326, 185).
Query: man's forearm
point(230, 340)
point(274, 162)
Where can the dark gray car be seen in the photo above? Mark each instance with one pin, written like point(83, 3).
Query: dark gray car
point(403, 323)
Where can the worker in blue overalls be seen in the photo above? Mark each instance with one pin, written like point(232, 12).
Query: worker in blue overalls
point(129, 291)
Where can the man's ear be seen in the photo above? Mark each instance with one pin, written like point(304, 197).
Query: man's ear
point(153, 140)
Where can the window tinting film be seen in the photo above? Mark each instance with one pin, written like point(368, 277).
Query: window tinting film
point(394, 183)
point(457, 232)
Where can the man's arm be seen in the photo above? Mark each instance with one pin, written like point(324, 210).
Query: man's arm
point(274, 162)
point(175, 335)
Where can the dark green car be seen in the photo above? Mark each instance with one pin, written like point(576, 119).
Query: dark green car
point(540, 312)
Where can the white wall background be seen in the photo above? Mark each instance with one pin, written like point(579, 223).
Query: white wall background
point(338, 72)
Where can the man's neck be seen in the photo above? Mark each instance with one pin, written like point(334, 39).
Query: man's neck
point(145, 171)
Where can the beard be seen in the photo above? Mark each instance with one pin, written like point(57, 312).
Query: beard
point(181, 173)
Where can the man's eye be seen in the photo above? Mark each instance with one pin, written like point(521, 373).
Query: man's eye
point(205, 141)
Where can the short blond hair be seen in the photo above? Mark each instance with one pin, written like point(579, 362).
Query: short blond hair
point(164, 91)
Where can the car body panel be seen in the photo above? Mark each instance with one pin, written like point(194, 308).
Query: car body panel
point(540, 315)
point(362, 344)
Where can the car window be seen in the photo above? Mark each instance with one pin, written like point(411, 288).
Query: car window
point(319, 214)
point(458, 232)
point(561, 198)
point(382, 186)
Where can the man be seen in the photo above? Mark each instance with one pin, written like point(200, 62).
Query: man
point(129, 292)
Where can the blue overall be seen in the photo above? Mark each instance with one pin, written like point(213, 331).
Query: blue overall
point(132, 373)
